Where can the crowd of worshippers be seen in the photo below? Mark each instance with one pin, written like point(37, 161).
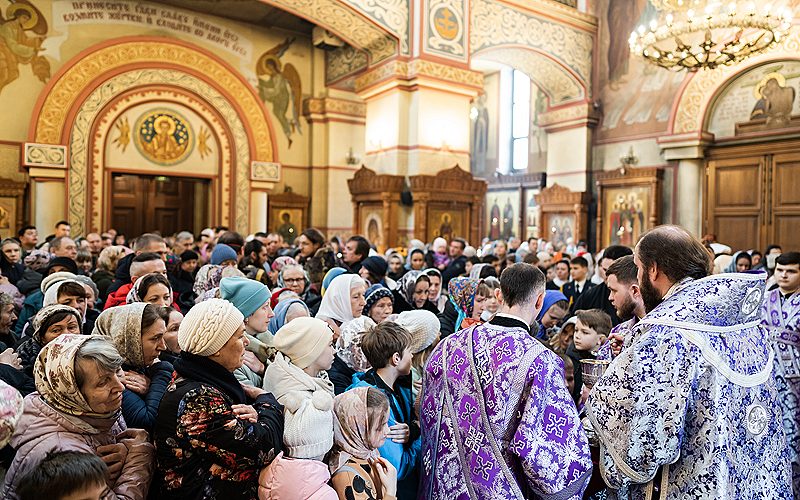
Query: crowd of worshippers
point(223, 366)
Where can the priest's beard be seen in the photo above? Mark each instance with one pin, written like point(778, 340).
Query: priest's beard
point(626, 310)
point(650, 296)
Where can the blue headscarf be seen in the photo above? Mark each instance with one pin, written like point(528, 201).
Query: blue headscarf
point(550, 298)
point(329, 276)
point(277, 321)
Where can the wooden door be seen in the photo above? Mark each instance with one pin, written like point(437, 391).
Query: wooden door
point(734, 201)
point(783, 211)
point(141, 204)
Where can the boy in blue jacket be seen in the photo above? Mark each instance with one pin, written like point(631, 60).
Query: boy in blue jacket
point(387, 348)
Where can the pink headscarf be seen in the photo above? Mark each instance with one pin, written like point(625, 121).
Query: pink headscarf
point(351, 429)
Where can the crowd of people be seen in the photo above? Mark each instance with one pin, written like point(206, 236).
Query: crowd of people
point(224, 366)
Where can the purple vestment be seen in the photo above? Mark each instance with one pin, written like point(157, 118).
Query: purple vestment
point(498, 422)
point(782, 319)
point(692, 394)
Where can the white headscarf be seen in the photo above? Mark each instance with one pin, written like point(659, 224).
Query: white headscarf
point(335, 303)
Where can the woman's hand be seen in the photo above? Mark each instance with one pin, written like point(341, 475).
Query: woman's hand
point(252, 362)
point(399, 433)
point(11, 358)
point(136, 382)
point(388, 476)
point(245, 412)
point(252, 392)
point(114, 456)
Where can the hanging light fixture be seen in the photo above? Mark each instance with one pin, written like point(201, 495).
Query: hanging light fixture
point(697, 34)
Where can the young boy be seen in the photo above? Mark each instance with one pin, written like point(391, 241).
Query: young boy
point(65, 475)
point(591, 331)
point(387, 347)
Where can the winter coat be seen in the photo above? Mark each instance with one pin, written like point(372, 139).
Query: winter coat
point(43, 429)
point(295, 479)
point(30, 281)
point(203, 449)
point(141, 411)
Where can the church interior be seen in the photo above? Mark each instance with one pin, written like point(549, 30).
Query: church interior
point(398, 119)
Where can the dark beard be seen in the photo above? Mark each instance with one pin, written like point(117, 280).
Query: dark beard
point(650, 296)
point(626, 310)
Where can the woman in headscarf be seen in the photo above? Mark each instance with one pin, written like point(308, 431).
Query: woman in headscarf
point(482, 270)
point(153, 288)
point(469, 297)
point(77, 408)
point(412, 293)
point(348, 345)
point(740, 263)
point(285, 311)
point(50, 322)
point(137, 331)
point(213, 434)
point(358, 471)
point(415, 260)
point(435, 295)
point(343, 302)
point(11, 265)
point(396, 265)
point(378, 303)
point(295, 278)
point(554, 308)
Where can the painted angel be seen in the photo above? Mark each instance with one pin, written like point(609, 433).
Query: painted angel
point(280, 85)
point(17, 47)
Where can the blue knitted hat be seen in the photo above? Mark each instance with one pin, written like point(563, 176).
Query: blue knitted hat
point(221, 253)
point(245, 294)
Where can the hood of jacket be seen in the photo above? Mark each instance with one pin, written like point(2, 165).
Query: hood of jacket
point(293, 478)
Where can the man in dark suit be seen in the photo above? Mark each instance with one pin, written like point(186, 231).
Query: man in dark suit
point(579, 270)
point(457, 261)
point(597, 296)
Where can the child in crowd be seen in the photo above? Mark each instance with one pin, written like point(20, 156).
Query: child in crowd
point(424, 329)
point(360, 428)
point(591, 330)
point(387, 347)
point(561, 341)
point(65, 475)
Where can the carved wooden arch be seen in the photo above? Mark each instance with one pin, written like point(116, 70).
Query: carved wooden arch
point(373, 192)
point(559, 200)
point(70, 92)
point(453, 189)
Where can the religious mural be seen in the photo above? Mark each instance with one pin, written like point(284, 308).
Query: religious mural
point(561, 229)
point(762, 98)
point(287, 220)
point(446, 223)
point(480, 134)
point(279, 84)
point(532, 214)
point(446, 34)
point(22, 31)
point(164, 137)
point(625, 213)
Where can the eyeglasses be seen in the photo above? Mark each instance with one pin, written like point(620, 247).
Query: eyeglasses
point(293, 280)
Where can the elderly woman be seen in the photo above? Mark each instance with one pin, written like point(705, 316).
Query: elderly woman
point(137, 331)
point(77, 408)
point(295, 278)
point(213, 434)
point(49, 323)
point(379, 303)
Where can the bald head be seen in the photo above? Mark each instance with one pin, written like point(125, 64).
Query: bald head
point(673, 251)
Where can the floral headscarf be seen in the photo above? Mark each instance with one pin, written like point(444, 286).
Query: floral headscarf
point(10, 411)
point(209, 277)
point(134, 295)
point(46, 313)
point(37, 259)
point(351, 432)
point(335, 304)
point(348, 346)
point(123, 324)
point(54, 374)
point(281, 261)
point(462, 294)
point(407, 284)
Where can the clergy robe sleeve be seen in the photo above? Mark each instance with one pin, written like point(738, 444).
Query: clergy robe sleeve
point(549, 440)
point(638, 408)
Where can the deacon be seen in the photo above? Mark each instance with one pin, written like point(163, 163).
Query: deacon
point(688, 410)
point(498, 422)
point(781, 316)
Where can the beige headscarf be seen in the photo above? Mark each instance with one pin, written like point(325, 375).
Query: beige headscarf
point(54, 373)
point(351, 429)
point(123, 324)
point(46, 313)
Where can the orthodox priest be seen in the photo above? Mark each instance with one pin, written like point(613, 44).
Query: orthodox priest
point(498, 422)
point(689, 409)
point(781, 316)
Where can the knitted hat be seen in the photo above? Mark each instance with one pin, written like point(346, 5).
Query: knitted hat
point(302, 340)
point(375, 265)
point(222, 253)
point(246, 294)
point(308, 424)
point(37, 259)
point(85, 280)
point(54, 278)
point(208, 326)
point(189, 255)
point(374, 294)
point(65, 262)
point(423, 325)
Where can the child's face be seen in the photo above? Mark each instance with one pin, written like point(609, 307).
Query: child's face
point(404, 366)
point(586, 338)
point(567, 334)
point(569, 377)
point(378, 436)
point(478, 305)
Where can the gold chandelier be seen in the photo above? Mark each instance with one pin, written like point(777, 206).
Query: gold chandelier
point(697, 34)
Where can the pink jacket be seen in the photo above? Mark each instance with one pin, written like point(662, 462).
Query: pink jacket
point(43, 429)
point(295, 479)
